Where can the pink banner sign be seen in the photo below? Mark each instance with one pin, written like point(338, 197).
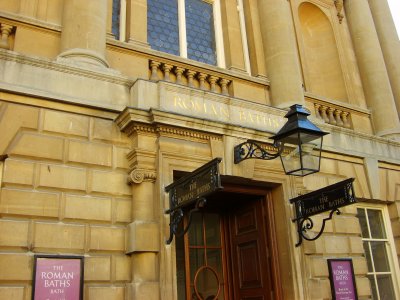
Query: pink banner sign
point(341, 275)
point(58, 278)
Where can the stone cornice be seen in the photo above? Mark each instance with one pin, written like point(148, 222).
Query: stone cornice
point(101, 74)
point(186, 133)
point(16, 19)
point(164, 124)
point(341, 140)
point(131, 117)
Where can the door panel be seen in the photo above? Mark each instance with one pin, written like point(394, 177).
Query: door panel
point(248, 243)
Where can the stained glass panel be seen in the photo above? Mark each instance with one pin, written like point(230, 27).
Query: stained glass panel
point(200, 31)
point(162, 25)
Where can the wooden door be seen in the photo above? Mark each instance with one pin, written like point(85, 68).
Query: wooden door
point(251, 272)
point(231, 241)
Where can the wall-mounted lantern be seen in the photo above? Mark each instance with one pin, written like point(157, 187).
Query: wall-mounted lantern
point(298, 143)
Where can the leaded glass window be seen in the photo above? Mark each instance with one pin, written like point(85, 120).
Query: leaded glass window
point(162, 25)
point(200, 31)
point(378, 253)
point(182, 27)
point(116, 8)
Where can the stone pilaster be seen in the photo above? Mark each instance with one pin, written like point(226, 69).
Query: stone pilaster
point(143, 239)
point(83, 33)
point(372, 67)
point(233, 42)
point(280, 51)
point(390, 44)
point(136, 22)
point(142, 182)
point(143, 242)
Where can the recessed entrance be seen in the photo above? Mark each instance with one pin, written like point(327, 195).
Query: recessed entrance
point(226, 254)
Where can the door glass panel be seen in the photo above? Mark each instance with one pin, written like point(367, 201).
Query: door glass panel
point(385, 285)
point(376, 224)
point(196, 258)
point(196, 230)
point(205, 257)
point(214, 260)
point(206, 283)
point(363, 222)
point(213, 234)
point(379, 254)
point(180, 271)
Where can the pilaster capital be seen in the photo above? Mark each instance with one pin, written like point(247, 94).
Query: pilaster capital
point(142, 175)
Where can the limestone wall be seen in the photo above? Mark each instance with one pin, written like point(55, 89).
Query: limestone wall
point(64, 191)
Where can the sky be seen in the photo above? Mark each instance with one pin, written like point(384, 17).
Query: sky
point(395, 8)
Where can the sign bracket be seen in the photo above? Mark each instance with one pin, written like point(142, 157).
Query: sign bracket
point(326, 199)
point(304, 224)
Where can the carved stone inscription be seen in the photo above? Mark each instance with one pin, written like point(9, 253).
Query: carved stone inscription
point(219, 109)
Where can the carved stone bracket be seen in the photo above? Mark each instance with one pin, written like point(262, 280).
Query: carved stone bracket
point(140, 175)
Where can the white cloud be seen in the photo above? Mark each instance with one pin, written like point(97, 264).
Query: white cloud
point(395, 8)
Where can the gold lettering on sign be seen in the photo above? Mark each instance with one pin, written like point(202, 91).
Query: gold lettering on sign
point(194, 192)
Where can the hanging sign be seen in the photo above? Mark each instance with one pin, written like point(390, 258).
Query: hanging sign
point(329, 198)
point(199, 183)
point(190, 189)
point(325, 199)
point(57, 278)
point(341, 276)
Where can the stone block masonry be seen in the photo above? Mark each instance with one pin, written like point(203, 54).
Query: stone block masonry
point(63, 190)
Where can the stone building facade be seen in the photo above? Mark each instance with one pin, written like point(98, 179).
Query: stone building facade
point(104, 103)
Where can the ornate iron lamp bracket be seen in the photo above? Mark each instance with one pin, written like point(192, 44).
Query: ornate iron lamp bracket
point(304, 224)
point(252, 149)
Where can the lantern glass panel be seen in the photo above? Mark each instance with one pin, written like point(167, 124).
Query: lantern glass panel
point(303, 159)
